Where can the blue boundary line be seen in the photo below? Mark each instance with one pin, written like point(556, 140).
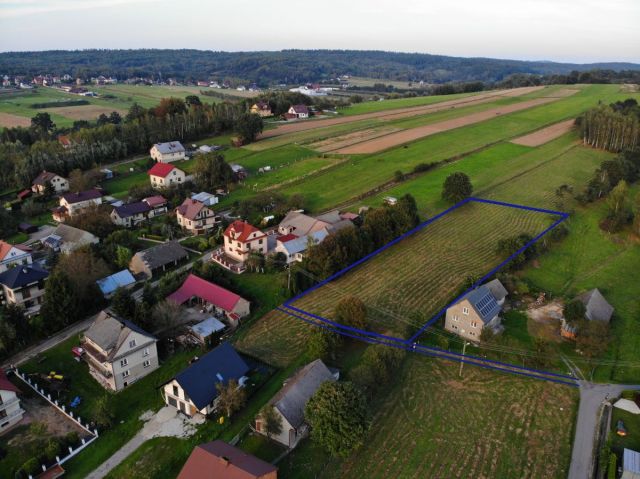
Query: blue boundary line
point(471, 360)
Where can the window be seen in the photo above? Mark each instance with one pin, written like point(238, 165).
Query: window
point(175, 391)
point(132, 343)
point(465, 310)
point(455, 317)
point(474, 324)
point(259, 241)
point(126, 373)
point(472, 333)
point(454, 326)
point(145, 352)
point(124, 362)
point(146, 364)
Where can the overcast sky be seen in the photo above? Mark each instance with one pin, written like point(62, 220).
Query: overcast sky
point(562, 30)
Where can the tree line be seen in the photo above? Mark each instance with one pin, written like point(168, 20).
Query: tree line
point(614, 127)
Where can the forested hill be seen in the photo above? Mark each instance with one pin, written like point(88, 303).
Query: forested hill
point(287, 66)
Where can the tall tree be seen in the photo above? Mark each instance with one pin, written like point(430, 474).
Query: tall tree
point(271, 421)
point(231, 397)
point(211, 171)
point(351, 311)
point(457, 187)
point(248, 126)
point(61, 302)
point(42, 123)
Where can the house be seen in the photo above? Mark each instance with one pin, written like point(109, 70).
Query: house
point(121, 279)
point(298, 111)
point(163, 175)
point(630, 464)
point(195, 217)
point(10, 411)
point(205, 198)
point(66, 239)
point(596, 309)
point(241, 238)
point(476, 310)
point(290, 401)
point(24, 286)
point(261, 108)
point(12, 255)
point(294, 248)
point(167, 152)
point(498, 291)
point(213, 298)
point(118, 352)
point(157, 205)
point(65, 141)
point(157, 258)
point(58, 183)
point(219, 460)
point(130, 214)
point(193, 391)
point(73, 203)
point(205, 330)
point(299, 224)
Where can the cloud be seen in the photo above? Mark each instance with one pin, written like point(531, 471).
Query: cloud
point(13, 9)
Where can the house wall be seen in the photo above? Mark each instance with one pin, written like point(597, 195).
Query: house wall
point(242, 308)
point(205, 220)
point(13, 257)
point(176, 397)
point(466, 325)
point(133, 362)
point(174, 177)
point(75, 208)
point(240, 251)
point(166, 157)
point(60, 185)
point(29, 297)
point(287, 436)
point(128, 221)
point(10, 411)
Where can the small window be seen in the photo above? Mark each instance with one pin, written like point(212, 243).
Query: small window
point(146, 364)
point(455, 317)
point(474, 324)
point(124, 362)
point(176, 393)
point(126, 373)
point(132, 343)
point(259, 241)
point(145, 352)
point(465, 310)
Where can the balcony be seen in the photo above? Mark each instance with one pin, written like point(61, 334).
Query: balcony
point(221, 258)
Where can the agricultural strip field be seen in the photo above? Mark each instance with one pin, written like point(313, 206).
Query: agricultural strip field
point(545, 135)
point(83, 112)
point(435, 424)
point(10, 120)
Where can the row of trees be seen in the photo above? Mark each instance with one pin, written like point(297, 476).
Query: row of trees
point(613, 128)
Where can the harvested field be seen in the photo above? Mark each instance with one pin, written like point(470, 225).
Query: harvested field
point(83, 112)
point(399, 113)
point(401, 137)
point(545, 135)
point(9, 121)
point(343, 141)
point(563, 93)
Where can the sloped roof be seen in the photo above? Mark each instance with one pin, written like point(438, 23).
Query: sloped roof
point(631, 461)
point(132, 209)
point(207, 327)
point(262, 105)
point(483, 303)
point(217, 366)
point(219, 460)
point(109, 332)
point(300, 109)
point(162, 169)
point(43, 178)
point(22, 275)
point(157, 200)
point(80, 196)
point(117, 280)
point(5, 384)
point(240, 230)
point(295, 394)
point(162, 254)
point(69, 234)
point(4, 249)
point(190, 208)
point(302, 224)
point(598, 309)
point(299, 245)
point(169, 147)
point(210, 292)
point(497, 289)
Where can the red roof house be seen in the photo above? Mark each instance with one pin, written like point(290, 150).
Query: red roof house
point(161, 169)
point(5, 384)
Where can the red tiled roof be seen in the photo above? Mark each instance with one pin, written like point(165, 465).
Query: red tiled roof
point(190, 208)
point(156, 200)
point(7, 385)
point(4, 249)
point(161, 170)
point(240, 230)
point(288, 237)
point(210, 292)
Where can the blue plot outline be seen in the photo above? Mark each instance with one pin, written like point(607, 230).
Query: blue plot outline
point(411, 343)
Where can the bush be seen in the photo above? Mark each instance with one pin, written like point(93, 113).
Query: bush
point(52, 449)
point(31, 467)
point(613, 463)
point(71, 439)
point(422, 167)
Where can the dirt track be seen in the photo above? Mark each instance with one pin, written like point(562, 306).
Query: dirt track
point(400, 112)
point(545, 135)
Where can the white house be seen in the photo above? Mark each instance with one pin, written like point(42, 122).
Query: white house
point(298, 111)
point(167, 152)
point(59, 184)
point(73, 203)
point(163, 175)
point(11, 255)
point(10, 411)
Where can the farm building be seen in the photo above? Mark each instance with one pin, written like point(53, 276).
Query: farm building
point(299, 224)
point(163, 175)
point(294, 247)
point(11, 255)
point(195, 217)
point(261, 108)
point(596, 309)
point(57, 182)
point(10, 411)
point(65, 239)
point(239, 170)
point(475, 311)
point(298, 111)
point(218, 459)
point(205, 198)
point(193, 391)
point(118, 352)
point(291, 400)
point(24, 286)
point(204, 330)
point(167, 152)
point(158, 258)
point(121, 279)
point(73, 203)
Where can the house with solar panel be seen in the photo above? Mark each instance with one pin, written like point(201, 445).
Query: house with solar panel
point(478, 309)
point(167, 152)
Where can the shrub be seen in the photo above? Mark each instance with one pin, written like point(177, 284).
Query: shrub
point(52, 449)
point(31, 467)
point(71, 439)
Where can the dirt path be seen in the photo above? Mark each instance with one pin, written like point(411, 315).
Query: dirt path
point(545, 135)
point(400, 112)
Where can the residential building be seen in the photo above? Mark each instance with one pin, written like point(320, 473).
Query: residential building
point(219, 460)
point(205, 198)
point(24, 286)
point(121, 279)
point(196, 218)
point(66, 239)
point(290, 401)
point(73, 203)
point(298, 111)
point(630, 464)
point(261, 108)
point(118, 352)
point(58, 183)
point(475, 311)
point(14, 255)
point(163, 175)
point(212, 298)
point(158, 258)
point(10, 411)
point(596, 309)
point(294, 248)
point(242, 238)
point(167, 152)
point(299, 224)
point(132, 214)
point(193, 391)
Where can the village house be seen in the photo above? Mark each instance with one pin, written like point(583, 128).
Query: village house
point(132, 214)
point(294, 248)
point(211, 298)
point(12, 255)
point(24, 286)
point(118, 352)
point(193, 391)
point(297, 111)
point(10, 411)
point(167, 152)
point(73, 203)
point(261, 108)
point(299, 224)
point(196, 218)
point(596, 309)
point(121, 279)
point(219, 460)
point(46, 178)
point(475, 311)
point(290, 401)
point(65, 141)
point(158, 258)
point(163, 175)
point(242, 238)
point(65, 239)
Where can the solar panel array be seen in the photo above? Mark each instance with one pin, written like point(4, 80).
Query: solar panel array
point(486, 304)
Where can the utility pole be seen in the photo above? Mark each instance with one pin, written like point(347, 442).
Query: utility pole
point(464, 348)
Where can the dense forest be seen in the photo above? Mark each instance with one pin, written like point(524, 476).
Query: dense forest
point(287, 66)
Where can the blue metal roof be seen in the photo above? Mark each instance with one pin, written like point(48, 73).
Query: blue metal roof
point(120, 279)
point(199, 380)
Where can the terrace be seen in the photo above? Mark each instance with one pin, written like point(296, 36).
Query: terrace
point(220, 257)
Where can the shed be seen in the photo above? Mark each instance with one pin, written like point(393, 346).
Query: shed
point(204, 329)
point(110, 284)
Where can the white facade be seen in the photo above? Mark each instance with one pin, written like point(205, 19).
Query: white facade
point(10, 411)
point(14, 256)
point(175, 177)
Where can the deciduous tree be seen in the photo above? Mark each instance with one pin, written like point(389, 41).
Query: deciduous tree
point(351, 311)
point(231, 397)
point(271, 421)
point(457, 187)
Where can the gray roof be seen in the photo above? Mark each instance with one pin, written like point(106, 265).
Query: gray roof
point(169, 147)
point(293, 397)
point(299, 245)
point(483, 302)
point(164, 253)
point(69, 234)
point(631, 461)
point(109, 332)
point(497, 289)
point(597, 307)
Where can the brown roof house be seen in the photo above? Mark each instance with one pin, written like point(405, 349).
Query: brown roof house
point(596, 309)
point(158, 258)
point(195, 217)
point(74, 203)
point(219, 460)
point(478, 309)
point(291, 400)
point(118, 352)
point(261, 108)
point(59, 184)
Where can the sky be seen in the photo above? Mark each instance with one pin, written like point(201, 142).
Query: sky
point(580, 31)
